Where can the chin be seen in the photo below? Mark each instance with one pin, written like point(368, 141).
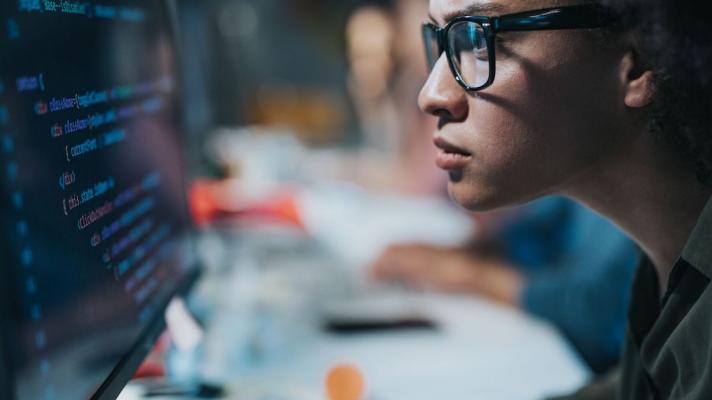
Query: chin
point(477, 197)
point(473, 198)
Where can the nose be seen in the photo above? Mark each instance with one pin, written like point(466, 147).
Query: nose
point(442, 96)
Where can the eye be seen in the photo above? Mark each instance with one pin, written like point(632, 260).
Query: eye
point(467, 40)
point(468, 49)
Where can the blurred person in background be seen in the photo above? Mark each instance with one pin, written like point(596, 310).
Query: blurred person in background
point(370, 34)
point(386, 70)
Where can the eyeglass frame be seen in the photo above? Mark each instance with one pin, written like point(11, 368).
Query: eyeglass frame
point(584, 16)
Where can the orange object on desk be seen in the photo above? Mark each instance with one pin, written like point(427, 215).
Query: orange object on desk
point(345, 382)
point(211, 201)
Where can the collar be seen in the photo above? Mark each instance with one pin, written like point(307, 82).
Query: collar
point(698, 251)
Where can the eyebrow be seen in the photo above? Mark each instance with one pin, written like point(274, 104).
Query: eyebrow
point(473, 9)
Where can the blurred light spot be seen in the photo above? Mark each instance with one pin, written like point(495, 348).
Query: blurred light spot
point(44, 367)
point(17, 200)
point(8, 144)
point(27, 257)
point(22, 228)
point(40, 340)
point(31, 286)
point(238, 20)
point(36, 312)
point(12, 172)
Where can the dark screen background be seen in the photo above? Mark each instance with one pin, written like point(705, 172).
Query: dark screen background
point(93, 213)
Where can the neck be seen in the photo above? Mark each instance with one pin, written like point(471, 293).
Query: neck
point(651, 196)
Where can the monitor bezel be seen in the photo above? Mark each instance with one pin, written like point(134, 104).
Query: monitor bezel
point(7, 387)
point(129, 364)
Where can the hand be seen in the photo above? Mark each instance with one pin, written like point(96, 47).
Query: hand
point(448, 270)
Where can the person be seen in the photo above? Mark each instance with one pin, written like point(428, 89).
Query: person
point(386, 72)
point(607, 102)
point(549, 252)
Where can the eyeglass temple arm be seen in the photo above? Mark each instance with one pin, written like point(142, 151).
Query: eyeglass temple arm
point(582, 17)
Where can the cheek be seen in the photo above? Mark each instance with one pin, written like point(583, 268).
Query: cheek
point(532, 132)
point(507, 165)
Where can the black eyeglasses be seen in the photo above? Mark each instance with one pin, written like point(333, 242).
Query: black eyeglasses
point(469, 42)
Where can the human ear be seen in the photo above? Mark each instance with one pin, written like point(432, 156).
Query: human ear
point(637, 81)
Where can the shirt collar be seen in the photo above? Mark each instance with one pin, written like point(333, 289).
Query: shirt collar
point(698, 251)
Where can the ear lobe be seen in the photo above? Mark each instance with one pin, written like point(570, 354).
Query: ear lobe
point(638, 83)
point(640, 92)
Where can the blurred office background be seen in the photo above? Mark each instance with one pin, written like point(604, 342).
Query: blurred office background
point(243, 57)
point(332, 73)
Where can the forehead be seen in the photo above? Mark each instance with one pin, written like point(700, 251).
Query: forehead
point(443, 10)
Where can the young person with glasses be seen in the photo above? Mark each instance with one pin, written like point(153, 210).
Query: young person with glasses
point(609, 103)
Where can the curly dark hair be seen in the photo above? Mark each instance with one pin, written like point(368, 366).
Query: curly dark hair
point(676, 40)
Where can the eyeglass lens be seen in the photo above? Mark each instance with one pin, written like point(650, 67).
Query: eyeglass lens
point(467, 45)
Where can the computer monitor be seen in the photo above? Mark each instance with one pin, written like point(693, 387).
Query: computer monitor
point(95, 237)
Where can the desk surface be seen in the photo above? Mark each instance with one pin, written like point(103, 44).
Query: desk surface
point(262, 292)
point(263, 334)
point(482, 351)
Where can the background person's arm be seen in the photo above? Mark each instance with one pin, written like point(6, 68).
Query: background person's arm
point(450, 270)
point(586, 296)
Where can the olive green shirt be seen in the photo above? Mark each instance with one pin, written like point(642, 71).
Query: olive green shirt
point(668, 351)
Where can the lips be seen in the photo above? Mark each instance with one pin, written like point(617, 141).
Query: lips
point(451, 157)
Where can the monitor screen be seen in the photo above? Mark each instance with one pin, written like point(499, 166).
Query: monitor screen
point(94, 227)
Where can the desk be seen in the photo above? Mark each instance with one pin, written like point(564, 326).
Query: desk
point(263, 334)
point(482, 351)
